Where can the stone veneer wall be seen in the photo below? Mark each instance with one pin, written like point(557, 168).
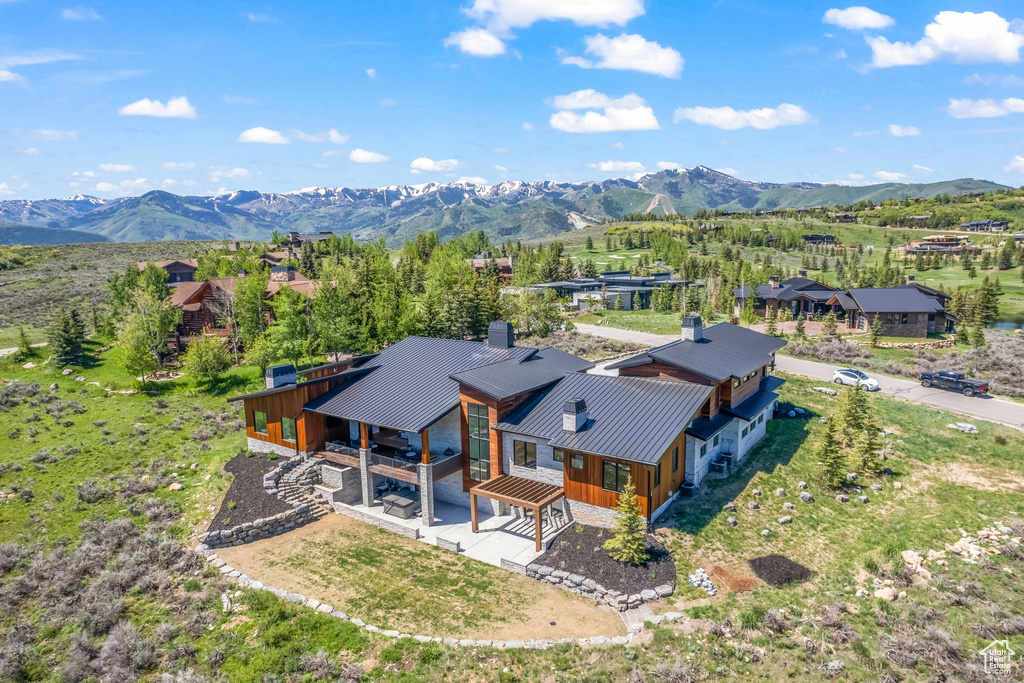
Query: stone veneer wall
point(591, 515)
point(259, 446)
point(581, 585)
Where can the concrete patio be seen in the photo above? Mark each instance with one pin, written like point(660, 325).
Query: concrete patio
point(501, 540)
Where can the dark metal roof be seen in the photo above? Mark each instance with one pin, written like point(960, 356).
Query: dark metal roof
point(704, 428)
point(631, 362)
point(759, 400)
point(726, 351)
point(409, 386)
point(843, 300)
point(519, 376)
point(927, 291)
point(349, 374)
point(631, 418)
point(787, 290)
point(894, 300)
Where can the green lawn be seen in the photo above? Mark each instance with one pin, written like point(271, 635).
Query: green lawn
point(639, 321)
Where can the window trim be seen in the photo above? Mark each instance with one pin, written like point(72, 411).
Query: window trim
point(256, 422)
point(675, 459)
point(480, 466)
point(657, 474)
point(527, 462)
point(620, 481)
point(295, 430)
point(558, 454)
point(573, 459)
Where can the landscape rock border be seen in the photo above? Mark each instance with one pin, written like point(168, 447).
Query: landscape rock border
point(581, 585)
point(259, 528)
point(245, 581)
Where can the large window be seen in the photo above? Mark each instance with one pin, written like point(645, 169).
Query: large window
point(558, 455)
point(525, 454)
point(288, 429)
point(896, 318)
point(479, 442)
point(615, 475)
point(259, 421)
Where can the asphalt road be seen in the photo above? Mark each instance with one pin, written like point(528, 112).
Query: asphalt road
point(978, 407)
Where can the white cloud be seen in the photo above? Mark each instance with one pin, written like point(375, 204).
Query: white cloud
point(629, 53)
point(857, 18)
point(372, 73)
point(856, 176)
point(188, 183)
point(864, 133)
point(362, 156)
point(259, 134)
point(117, 168)
point(179, 165)
point(124, 187)
point(168, 182)
point(618, 166)
point(984, 109)
point(1003, 81)
point(333, 153)
point(176, 108)
point(105, 187)
point(424, 164)
point(331, 135)
point(728, 118)
point(889, 176)
point(840, 55)
point(30, 58)
point(959, 36)
point(85, 174)
point(46, 134)
point(500, 169)
point(474, 180)
point(922, 169)
point(218, 172)
point(506, 14)
point(898, 131)
point(478, 42)
point(527, 126)
point(618, 145)
point(29, 152)
point(80, 13)
point(625, 113)
point(10, 76)
point(666, 165)
point(728, 171)
point(1016, 165)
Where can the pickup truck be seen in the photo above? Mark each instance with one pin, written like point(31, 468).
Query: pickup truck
point(947, 379)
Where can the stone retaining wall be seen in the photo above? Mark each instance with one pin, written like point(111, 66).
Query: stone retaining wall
point(581, 585)
point(528, 643)
point(393, 527)
point(259, 528)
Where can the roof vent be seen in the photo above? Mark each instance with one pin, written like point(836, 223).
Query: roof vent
point(574, 415)
point(280, 375)
point(693, 328)
point(500, 335)
point(911, 278)
point(801, 273)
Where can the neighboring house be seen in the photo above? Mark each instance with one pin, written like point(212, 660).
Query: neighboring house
point(503, 429)
point(198, 301)
point(955, 244)
point(295, 240)
point(737, 366)
point(822, 240)
point(504, 263)
point(799, 294)
point(985, 226)
point(910, 310)
point(634, 290)
point(178, 271)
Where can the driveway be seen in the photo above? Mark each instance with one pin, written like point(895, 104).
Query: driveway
point(979, 407)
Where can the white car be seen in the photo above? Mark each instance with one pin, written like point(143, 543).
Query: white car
point(855, 378)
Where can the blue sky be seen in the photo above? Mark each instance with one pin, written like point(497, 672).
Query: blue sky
point(118, 98)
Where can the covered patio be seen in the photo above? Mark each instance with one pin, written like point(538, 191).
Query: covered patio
point(528, 494)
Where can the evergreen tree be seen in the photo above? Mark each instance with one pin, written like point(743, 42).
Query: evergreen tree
point(977, 335)
point(307, 262)
point(876, 329)
point(831, 459)
point(590, 243)
point(748, 317)
point(24, 346)
point(866, 449)
point(829, 325)
point(620, 304)
point(604, 296)
point(986, 260)
point(588, 269)
point(853, 414)
point(628, 543)
point(986, 302)
point(769, 322)
point(65, 337)
point(608, 243)
point(799, 331)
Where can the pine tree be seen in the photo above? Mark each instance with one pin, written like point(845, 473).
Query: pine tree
point(65, 337)
point(799, 331)
point(876, 329)
point(831, 459)
point(590, 243)
point(24, 346)
point(977, 335)
point(829, 325)
point(620, 304)
point(628, 543)
point(769, 322)
point(853, 414)
point(748, 317)
point(307, 262)
point(866, 448)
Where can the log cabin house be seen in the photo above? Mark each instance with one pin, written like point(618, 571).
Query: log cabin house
point(503, 429)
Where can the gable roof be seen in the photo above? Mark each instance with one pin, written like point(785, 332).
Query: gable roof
point(726, 351)
point(630, 418)
point(893, 300)
point(928, 291)
point(519, 376)
point(186, 291)
point(788, 290)
point(187, 262)
point(409, 385)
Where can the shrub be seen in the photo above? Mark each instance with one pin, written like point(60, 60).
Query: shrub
point(318, 666)
point(752, 617)
point(89, 492)
point(390, 654)
point(430, 653)
point(191, 585)
point(830, 351)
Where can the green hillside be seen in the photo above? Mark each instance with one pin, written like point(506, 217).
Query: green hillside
point(17, 234)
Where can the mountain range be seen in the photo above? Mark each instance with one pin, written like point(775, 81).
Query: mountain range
point(508, 210)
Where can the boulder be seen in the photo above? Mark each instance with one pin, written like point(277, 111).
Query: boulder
point(842, 498)
point(785, 520)
point(876, 487)
point(663, 590)
point(802, 485)
point(729, 507)
point(600, 640)
point(851, 476)
point(175, 487)
point(788, 506)
point(781, 493)
point(806, 497)
point(766, 533)
point(897, 485)
point(54, 387)
point(756, 493)
point(862, 499)
point(648, 595)
point(731, 521)
point(888, 594)
point(753, 505)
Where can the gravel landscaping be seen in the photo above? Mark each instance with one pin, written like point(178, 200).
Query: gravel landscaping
point(777, 570)
point(579, 550)
point(246, 494)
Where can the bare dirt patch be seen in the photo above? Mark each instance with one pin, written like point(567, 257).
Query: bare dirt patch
point(979, 477)
point(395, 582)
point(735, 577)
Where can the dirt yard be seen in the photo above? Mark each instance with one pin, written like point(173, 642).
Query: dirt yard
point(398, 583)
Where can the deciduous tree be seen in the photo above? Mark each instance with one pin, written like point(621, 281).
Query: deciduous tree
point(206, 359)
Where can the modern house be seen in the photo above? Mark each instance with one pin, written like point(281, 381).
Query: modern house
point(178, 270)
point(800, 295)
point(737, 366)
point(296, 240)
point(504, 263)
point(910, 310)
point(823, 240)
point(955, 244)
point(504, 430)
point(634, 290)
point(985, 226)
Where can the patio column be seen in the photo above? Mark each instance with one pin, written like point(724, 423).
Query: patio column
point(425, 446)
point(426, 493)
point(538, 522)
point(365, 476)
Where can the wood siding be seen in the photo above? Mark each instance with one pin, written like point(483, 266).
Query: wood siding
point(658, 369)
point(312, 429)
point(496, 411)
point(586, 485)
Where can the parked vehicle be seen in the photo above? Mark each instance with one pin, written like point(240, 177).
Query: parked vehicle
point(855, 378)
point(948, 379)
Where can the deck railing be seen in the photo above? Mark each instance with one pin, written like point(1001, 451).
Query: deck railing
point(442, 465)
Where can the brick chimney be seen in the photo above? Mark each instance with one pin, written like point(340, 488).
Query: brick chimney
point(574, 415)
point(801, 273)
point(911, 278)
point(692, 329)
point(773, 280)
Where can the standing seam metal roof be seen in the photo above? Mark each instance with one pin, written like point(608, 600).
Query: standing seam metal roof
point(894, 300)
point(519, 376)
point(630, 418)
point(410, 386)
